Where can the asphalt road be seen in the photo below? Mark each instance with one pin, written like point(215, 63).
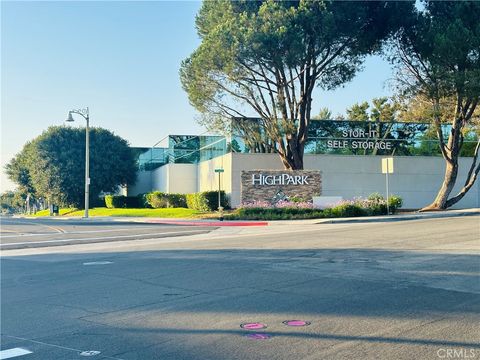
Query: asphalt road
point(17, 233)
point(403, 290)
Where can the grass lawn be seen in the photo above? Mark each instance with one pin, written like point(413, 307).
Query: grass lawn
point(163, 213)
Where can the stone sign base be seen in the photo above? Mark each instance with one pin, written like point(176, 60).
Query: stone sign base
point(275, 185)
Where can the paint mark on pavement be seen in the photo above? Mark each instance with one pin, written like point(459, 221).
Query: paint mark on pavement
point(296, 323)
point(89, 353)
point(253, 326)
point(258, 336)
point(11, 353)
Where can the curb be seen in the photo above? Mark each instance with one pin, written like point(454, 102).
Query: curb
point(208, 223)
point(399, 218)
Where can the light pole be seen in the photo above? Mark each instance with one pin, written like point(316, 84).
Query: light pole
point(86, 116)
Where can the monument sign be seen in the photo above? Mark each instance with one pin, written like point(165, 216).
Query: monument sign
point(275, 185)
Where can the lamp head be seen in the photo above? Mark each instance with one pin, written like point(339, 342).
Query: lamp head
point(70, 117)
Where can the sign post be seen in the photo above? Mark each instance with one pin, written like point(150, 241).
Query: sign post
point(220, 209)
point(387, 168)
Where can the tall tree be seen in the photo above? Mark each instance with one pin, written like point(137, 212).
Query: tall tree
point(52, 165)
point(264, 59)
point(438, 58)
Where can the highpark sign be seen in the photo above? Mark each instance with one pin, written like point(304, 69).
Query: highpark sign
point(274, 185)
point(282, 179)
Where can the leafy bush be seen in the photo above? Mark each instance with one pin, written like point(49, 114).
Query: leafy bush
point(395, 202)
point(262, 210)
point(376, 197)
point(206, 201)
point(177, 200)
point(158, 199)
point(281, 204)
point(114, 201)
point(272, 213)
point(345, 210)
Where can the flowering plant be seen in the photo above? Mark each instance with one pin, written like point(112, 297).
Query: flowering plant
point(279, 205)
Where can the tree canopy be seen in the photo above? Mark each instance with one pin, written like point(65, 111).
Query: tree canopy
point(52, 165)
point(264, 59)
point(438, 60)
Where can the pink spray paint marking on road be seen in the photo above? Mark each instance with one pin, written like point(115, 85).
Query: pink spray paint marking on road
point(296, 323)
point(253, 326)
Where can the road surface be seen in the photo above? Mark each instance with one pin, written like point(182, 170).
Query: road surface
point(403, 290)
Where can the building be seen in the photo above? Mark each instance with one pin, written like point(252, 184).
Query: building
point(347, 153)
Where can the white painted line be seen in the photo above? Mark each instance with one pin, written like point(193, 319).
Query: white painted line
point(75, 232)
point(11, 353)
point(98, 263)
point(89, 353)
point(57, 346)
point(99, 238)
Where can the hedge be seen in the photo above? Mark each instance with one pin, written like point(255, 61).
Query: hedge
point(206, 201)
point(375, 205)
point(120, 201)
point(158, 199)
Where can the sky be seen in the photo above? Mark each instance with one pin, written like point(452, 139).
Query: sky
point(120, 59)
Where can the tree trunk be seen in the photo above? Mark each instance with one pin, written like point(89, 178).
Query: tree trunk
point(293, 158)
point(440, 202)
point(450, 152)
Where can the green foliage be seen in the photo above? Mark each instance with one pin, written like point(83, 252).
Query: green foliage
point(345, 210)
point(158, 199)
point(374, 206)
point(438, 59)
point(177, 200)
point(376, 197)
point(206, 201)
point(274, 214)
point(395, 202)
point(12, 201)
point(266, 57)
point(120, 201)
point(52, 165)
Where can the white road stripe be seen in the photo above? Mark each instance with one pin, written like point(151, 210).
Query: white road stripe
point(99, 238)
point(74, 232)
point(98, 263)
point(11, 353)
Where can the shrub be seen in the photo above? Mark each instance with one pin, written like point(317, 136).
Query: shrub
point(376, 197)
point(206, 201)
point(177, 200)
point(280, 204)
point(347, 210)
point(272, 213)
point(395, 202)
point(114, 201)
point(158, 199)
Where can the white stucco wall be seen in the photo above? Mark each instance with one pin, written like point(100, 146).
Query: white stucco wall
point(416, 178)
point(160, 179)
point(142, 185)
point(172, 178)
point(182, 178)
point(208, 179)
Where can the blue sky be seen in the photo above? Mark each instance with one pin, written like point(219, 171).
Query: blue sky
point(120, 59)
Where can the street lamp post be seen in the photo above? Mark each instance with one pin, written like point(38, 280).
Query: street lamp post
point(86, 116)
